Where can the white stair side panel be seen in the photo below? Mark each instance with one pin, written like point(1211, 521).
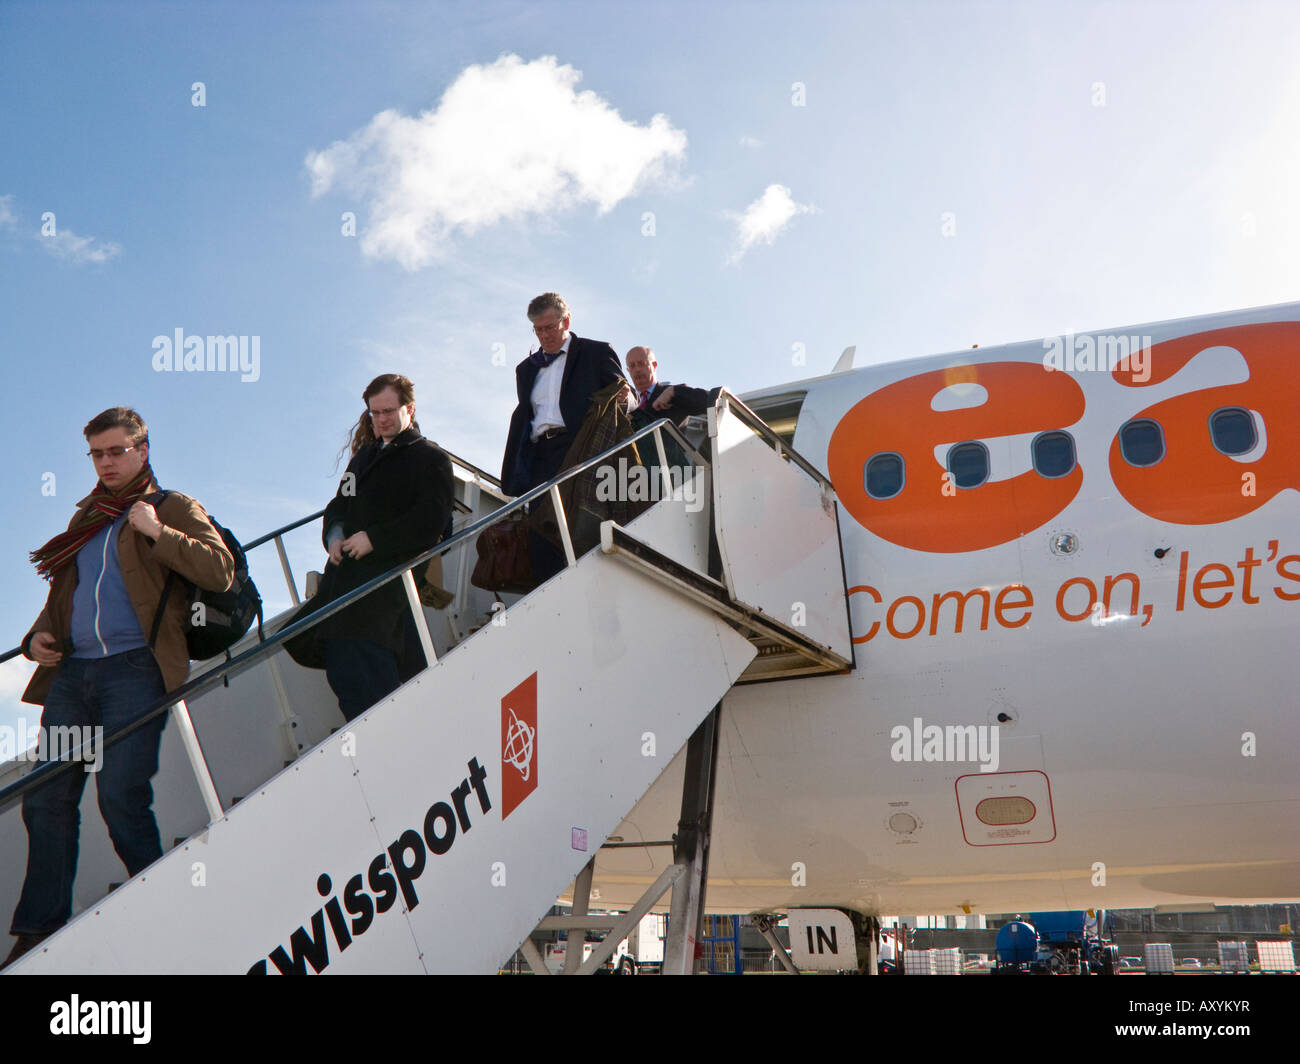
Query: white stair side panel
point(312, 817)
point(679, 528)
point(616, 655)
point(778, 537)
point(245, 741)
point(615, 677)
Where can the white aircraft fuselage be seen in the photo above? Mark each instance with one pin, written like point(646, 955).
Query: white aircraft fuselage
point(1074, 684)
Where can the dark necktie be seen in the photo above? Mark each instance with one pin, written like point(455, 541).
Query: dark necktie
point(541, 359)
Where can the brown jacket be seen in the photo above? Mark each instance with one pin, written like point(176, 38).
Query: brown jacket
point(188, 544)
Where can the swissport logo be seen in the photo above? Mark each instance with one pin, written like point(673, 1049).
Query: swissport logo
point(518, 745)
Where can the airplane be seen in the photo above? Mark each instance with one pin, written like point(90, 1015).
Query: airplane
point(1043, 667)
point(1086, 548)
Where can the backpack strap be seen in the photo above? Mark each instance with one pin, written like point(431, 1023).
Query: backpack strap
point(153, 500)
point(162, 605)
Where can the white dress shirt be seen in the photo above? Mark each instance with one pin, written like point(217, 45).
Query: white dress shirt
point(546, 394)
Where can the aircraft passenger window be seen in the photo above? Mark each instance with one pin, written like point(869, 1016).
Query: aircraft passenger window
point(1141, 442)
point(883, 476)
point(1233, 430)
point(1053, 454)
point(969, 464)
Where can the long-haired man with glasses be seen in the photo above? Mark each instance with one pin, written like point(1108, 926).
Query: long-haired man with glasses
point(394, 502)
point(97, 668)
point(555, 384)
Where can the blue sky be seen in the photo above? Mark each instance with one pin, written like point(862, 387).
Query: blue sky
point(730, 183)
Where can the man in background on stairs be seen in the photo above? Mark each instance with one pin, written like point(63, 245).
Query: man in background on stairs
point(657, 398)
point(97, 672)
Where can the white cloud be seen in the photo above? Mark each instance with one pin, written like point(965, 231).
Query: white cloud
point(65, 244)
point(507, 140)
point(62, 243)
point(750, 142)
point(766, 218)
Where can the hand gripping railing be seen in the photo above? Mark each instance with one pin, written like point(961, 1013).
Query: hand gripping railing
point(176, 700)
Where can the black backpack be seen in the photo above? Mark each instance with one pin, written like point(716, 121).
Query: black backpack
point(227, 615)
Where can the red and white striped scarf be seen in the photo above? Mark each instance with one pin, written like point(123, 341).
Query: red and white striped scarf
point(106, 506)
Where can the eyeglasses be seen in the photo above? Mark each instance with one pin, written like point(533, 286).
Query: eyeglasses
point(555, 326)
point(97, 455)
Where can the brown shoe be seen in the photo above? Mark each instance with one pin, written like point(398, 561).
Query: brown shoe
point(25, 942)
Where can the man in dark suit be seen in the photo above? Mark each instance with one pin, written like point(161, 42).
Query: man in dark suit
point(659, 398)
point(555, 385)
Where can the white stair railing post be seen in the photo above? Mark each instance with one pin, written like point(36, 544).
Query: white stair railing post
point(570, 557)
point(663, 465)
point(198, 763)
point(417, 614)
point(288, 572)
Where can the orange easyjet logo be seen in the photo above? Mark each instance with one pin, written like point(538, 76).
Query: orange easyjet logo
point(1193, 483)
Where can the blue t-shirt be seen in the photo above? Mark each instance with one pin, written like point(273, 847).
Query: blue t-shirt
point(103, 620)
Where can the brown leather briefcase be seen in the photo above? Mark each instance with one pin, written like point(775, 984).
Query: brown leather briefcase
point(503, 560)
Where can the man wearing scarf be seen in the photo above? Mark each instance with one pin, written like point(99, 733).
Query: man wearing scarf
point(97, 668)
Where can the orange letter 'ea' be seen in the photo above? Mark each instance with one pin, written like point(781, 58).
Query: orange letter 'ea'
point(1195, 483)
point(1023, 397)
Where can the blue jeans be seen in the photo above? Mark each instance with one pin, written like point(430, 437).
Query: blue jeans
point(109, 692)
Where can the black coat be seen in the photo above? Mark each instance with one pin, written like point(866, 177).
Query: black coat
point(589, 366)
point(401, 497)
point(686, 403)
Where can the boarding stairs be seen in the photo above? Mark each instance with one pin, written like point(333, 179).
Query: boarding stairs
point(434, 833)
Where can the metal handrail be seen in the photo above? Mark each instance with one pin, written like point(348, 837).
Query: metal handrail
point(470, 467)
point(264, 649)
point(455, 460)
point(281, 531)
point(763, 429)
point(14, 652)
